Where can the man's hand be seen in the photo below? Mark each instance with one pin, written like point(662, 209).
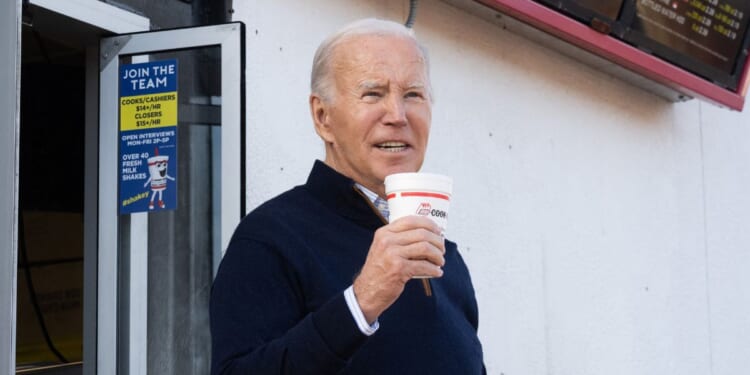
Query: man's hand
point(408, 247)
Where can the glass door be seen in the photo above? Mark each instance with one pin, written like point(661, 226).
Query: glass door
point(171, 178)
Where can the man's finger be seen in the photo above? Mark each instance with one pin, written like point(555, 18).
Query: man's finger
point(419, 235)
point(413, 222)
point(423, 269)
point(422, 251)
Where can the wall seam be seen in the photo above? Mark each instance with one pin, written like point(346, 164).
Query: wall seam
point(705, 240)
point(545, 303)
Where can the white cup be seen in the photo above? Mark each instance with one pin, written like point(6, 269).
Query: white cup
point(422, 194)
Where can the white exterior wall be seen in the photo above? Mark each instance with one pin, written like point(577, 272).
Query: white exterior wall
point(605, 228)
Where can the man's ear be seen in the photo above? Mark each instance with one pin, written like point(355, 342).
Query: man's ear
point(319, 110)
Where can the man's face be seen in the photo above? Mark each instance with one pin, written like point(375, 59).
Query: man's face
point(378, 120)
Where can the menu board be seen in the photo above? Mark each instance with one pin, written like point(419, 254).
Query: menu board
point(709, 38)
point(710, 31)
point(607, 8)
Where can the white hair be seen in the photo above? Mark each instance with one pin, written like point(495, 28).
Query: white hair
point(321, 81)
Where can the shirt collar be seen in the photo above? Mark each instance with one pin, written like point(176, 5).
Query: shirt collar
point(378, 202)
point(371, 195)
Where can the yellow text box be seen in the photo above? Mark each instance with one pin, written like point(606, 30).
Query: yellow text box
point(148, 111)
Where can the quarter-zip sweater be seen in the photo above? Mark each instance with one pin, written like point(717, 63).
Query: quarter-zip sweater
point(278, 306)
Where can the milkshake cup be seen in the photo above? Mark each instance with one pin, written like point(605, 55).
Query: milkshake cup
point(421, 194)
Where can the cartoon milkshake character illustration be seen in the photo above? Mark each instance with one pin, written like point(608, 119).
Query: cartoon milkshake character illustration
point(157, 168)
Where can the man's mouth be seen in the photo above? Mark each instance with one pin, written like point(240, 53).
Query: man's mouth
point(392, 146)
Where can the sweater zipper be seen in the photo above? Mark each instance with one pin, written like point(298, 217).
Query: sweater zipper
point(425, 282)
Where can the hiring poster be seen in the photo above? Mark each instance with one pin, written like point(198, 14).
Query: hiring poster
point(148, 137)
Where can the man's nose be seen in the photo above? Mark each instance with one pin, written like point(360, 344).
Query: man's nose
point(395, 111)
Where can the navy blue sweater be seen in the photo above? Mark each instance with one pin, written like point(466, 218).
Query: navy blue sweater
point(277, 304)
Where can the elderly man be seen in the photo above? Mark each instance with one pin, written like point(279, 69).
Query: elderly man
point(315, 281)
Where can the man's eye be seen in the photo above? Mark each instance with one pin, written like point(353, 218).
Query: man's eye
point(413, 94)
point(371, 94)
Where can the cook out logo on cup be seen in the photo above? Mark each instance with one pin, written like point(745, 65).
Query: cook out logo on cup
point(423, 194)
point(424, 209)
